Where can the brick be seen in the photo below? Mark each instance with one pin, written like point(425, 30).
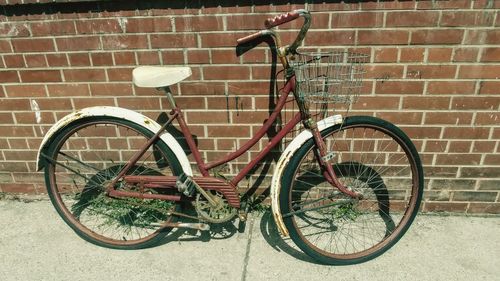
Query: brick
point(399, 87)
point(65, 90)
point(55, 60)
point(36, 60)
point(471, 103)
point(329, 38)
point(185, 40)
point(55, 104)
point(13, 29)
point(385, 55)
point(475, 196)
point(451, 87)
point(8, 76)
point(172, 57)
point(17, 131)
point(439, 55)
point(437, 5)
point(93, 101)
point(226, 72)
point(435, 146)
point(451, 118)
point(444, 207)
point(14, 91)
point(148, 25)
point(403, 118)
point(436, 36)
point(384, 72)
point(6, 118)
point(78, 43)
point(14, 104)
point(483, 146)
point(119, 74)
point(490, 55)
point(487, 118)
point(489, 185)
point(98, 26)
point(383, 37)
point(40, 76)
point(486, 4)
point(389, 5)
point(33, 45)
point(101, 59)
point(13, 61)
point(84, 75)
point(482, 208)
point(482, 36)
point(465, 55)
point(125, 42)
point(467, 19)
point(412, 55)
point(148, 58)
point(5, 46)
point(198, 23)
point(480, 172)
point(492, 159)
point(24, 188)
point(124, 58)
point(422, 132)
point(249, 22)
point(466, 133)
point(225, 131)
point(208, 117)
point(198, 56)
point(52, 28)
point(355, 19)
point(489, 87)
point(226, 56)
point(255, 56)
point(111, 89)
point(430, 71)
point(479, 71)
point(426, 103)
point(412, 18)
point(79, 59)
point(459, 146)
point(458, 184)
point(139, 103)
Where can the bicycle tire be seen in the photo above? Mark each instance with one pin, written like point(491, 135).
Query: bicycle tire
point(392, 192)
point(81, 166)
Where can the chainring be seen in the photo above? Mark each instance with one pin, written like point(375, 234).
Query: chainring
point(220, 213)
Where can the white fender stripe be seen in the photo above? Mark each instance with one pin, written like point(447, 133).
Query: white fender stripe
point(290, 150)
point(121, 113)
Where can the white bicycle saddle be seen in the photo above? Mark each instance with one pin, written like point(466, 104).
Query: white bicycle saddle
point(159, 76)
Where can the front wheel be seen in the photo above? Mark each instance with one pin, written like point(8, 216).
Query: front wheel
point(84, 158)
point(372, 157)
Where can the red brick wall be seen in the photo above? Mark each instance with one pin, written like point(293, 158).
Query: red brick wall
point(433, 71)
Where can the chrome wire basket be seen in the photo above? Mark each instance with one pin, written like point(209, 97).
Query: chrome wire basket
point(329, 77)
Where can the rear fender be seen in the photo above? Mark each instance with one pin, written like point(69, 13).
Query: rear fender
point(120, 113)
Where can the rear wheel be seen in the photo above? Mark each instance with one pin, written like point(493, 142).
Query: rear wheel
point(84, 158)
point(372, 157)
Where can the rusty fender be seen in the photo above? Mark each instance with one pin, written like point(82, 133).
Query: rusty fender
point(120, 113)
point(285, 158)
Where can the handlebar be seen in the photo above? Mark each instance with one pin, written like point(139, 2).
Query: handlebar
point(281, 19)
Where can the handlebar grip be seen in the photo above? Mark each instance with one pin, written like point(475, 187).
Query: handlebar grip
point(281, 19)
point(249, 37)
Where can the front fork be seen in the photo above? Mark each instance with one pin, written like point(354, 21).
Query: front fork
point(326, 167)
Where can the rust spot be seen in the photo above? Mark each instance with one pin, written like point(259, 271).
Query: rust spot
point(146, 122)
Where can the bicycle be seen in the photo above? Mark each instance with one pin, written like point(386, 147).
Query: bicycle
point(345, 189)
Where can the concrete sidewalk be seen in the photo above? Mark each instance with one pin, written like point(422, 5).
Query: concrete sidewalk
point(35, 244)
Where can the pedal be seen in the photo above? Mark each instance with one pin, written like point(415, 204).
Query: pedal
point(197, 226)
point(185, 185)
point(329, 156)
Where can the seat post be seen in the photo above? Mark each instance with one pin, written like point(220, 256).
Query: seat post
point(169, 96)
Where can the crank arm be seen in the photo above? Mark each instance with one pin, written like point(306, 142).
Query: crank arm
point(197, 226)
point(339, 202)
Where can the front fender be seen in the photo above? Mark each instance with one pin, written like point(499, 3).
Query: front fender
point(121, 113)
point(290, 150)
